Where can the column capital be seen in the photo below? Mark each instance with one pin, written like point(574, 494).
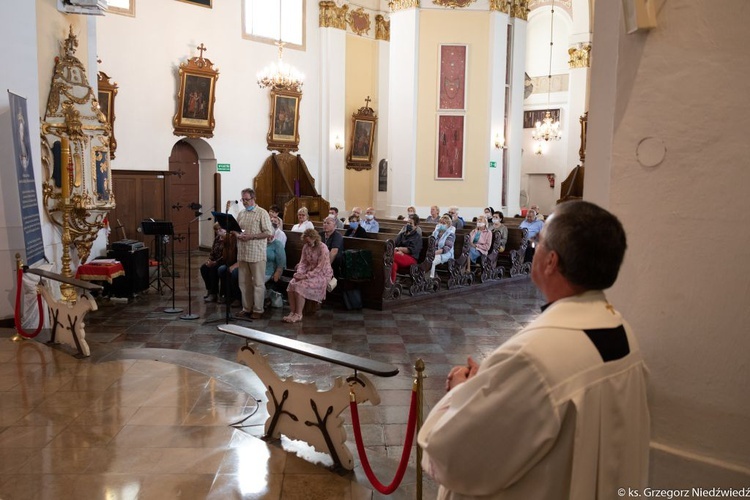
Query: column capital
point(397, 5)
point(580, 56)
point(332, 16)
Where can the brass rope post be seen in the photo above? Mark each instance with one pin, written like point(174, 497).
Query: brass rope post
point(419, 367)
point(19, 265)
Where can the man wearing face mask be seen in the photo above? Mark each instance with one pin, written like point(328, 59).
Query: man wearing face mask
point(408, 245)
point(251, 255)
point(354, 229)
point(370, 224)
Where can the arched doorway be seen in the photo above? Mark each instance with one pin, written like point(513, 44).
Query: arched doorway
point(182, 193)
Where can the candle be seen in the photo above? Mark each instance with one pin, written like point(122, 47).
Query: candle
point(64, 172)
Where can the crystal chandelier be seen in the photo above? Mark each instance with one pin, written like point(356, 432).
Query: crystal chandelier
point(280, 75)
point(547, 129)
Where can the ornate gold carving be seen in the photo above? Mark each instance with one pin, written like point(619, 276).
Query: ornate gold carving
point(520, 9)
point(580, 56)
point(382, 28)
point(107, 93)
point(500, 6)
point(359, 21)
point(332, 16)
point(453, 3)
point(73, 118)
point(397, 5)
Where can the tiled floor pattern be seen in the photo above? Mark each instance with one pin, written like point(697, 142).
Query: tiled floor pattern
point(148, 415)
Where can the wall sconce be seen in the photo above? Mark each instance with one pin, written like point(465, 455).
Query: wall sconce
point(538, 148)
point(337, 143)
point(499, 142)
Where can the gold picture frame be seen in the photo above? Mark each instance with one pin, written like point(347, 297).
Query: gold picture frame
point(196, 98)
point(106, 98)
point(363, 138)
point(283, 130)
point(200, 3)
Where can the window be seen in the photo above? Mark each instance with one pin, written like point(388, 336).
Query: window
point(270, 20)
point(122, 7)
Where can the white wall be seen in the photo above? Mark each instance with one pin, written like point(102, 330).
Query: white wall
point(685, 285)
point(142, 54)
point(19, 75)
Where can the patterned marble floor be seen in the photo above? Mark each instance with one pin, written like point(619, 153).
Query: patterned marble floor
point(148, 415)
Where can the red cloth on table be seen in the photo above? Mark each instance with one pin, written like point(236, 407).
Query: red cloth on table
point(100, 272)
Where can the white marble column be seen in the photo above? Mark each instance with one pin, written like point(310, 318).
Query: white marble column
point(515, 135)
point(498, 53)
point(402, 103)
point(332, 114)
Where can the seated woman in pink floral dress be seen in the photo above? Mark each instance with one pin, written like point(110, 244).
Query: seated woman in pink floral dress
point(311, 276)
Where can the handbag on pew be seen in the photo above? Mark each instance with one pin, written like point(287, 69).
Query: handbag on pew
point(352, 298)
point(357, 265)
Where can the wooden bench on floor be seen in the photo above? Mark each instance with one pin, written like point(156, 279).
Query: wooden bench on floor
point(299, 410)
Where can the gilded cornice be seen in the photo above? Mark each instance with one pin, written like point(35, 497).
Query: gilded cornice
point(580, 56)
point(397, 5)
point(500, 6)
point(332, 16)
point(520, 9)
point(382, 28)
point(453, 3)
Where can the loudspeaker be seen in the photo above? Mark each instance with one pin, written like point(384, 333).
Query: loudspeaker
point(136, 276)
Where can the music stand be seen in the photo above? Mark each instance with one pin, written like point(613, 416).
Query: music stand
point(190, 315)
point(159, 229)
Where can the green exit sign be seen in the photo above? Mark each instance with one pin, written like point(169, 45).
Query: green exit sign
point(222, 167)
point(493, 164)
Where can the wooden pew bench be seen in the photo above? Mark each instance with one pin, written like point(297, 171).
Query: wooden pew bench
point(376, 291)
point(512, 259)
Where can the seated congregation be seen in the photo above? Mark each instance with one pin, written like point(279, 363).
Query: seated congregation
point(338, 260)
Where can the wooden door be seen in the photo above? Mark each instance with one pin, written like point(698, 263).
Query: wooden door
point(182, 193)
point(139, 195)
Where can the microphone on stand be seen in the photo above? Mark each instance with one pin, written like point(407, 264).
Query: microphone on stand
point(190, 314)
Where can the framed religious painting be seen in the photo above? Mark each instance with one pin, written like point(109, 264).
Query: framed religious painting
point(453, 67)
point(196, 98)
point(283, 131)
point(106, 98)
point(202, 3)
point(450, 147)
point(363, 138)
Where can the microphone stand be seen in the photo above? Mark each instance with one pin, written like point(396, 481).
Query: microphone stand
point(173, 309)
point(190, 314)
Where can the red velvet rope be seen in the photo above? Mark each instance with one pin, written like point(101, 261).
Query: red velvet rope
point(19, 329)
point(410, 426)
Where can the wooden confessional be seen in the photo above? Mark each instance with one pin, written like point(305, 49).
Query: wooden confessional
point(285, 181)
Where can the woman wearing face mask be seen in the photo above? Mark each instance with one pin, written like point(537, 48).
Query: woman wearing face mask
point(499, 230)
point(354, 228)
point(480, 240)
point(408, 246)
point(303, 221)
point(445, 237)
point(311, 276)
point(488, 213)
point(275, 264)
